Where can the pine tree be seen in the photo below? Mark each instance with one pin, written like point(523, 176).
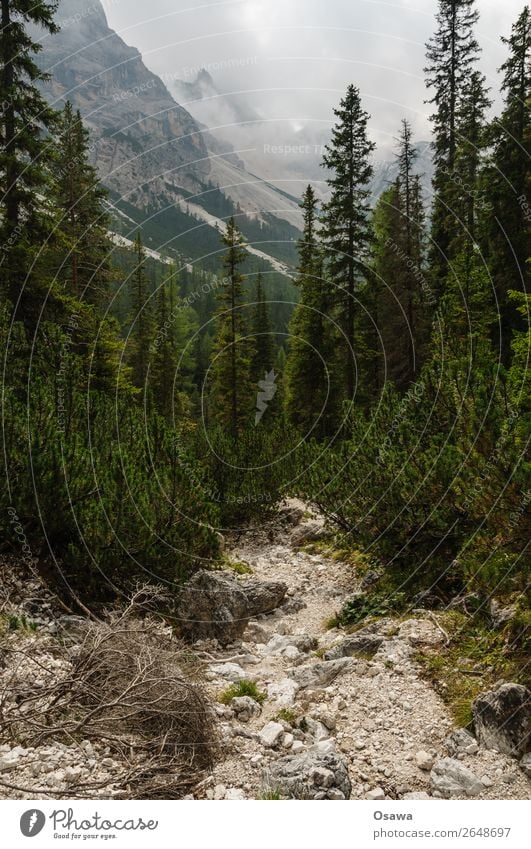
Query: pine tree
point(233, 393)
point(173, 361)
point(451, 54)
point(310, 375)
point(346, 229)
point(262, 333)
point(141, 332)
point(506, 180)
point(24, 150)
point(83, 221)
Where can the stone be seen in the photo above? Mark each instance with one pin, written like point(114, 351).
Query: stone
point(217, 605)
point(297, 746)
point(418, 795)
point(310, 775)
point(424, 760)
point(486, 781)
point(271, 734)
point(461, 741)
point(501, 719)
point(500, 615)
point(376, 795)
point(245, 708)
point(219, 791)
point(235, 794)
point(257, 633)
point(355, 645)
point(283, 692)
point(320, 674)
point(307, 532)
point(451, 778)
point(231, 671)
point(291, 514)
point(325, 747)
point(279, 644)
point(525, 764)
point(288, 740)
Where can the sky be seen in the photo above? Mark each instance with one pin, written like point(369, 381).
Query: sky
point(292, 59)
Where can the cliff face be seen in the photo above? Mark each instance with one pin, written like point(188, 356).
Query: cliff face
point(145, 145)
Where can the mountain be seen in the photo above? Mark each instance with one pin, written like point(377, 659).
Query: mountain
point(157, 161)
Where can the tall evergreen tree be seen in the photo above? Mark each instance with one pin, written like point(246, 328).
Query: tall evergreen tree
point(84, 222)
point(142, 329)
point(262, 333)
point(506, 232)
point(310, 375)
point(173, 357)
point(24, 150)
point(346, 229)
point(451, 54)
point(233, 393)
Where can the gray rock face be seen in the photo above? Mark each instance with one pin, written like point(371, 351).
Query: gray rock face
point(309, 775)
point(307, 532)
point(450, 778)
point(214, 605)
point(501, 719)
point(461, 742)
point(355, 645)
point(320, 674)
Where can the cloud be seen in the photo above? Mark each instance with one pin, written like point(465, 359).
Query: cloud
point(305, 52)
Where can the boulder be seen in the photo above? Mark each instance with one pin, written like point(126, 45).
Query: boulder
point(500, 615)
point(280, 644)
point(461, 742)
point(450, 778)
point(216, 605)
point(230, 671)
point(366, 644)
point(418, 795)
point(424, 760)
point(245, 708)
point(307, 532)
point(283, 692)
point(316, 675)
point(291, 514)
point(501, 719)
point(271, 734)
point(309, 775)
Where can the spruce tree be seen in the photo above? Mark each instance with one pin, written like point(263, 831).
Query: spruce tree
point(233, 393)
point(506, 180)
point(142, 325)
point(172, 361)
point(262, 333)
point(451, 54)
point(24, 150)
point(83, 221)
point(310, 375)
point(346, 229)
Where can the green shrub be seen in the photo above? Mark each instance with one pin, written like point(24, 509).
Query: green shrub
point(242, 688)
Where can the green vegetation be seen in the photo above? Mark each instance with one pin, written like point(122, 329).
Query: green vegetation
point(475, 658)
point(242, 688)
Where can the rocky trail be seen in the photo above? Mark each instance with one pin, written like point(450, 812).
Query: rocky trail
point(365, 725)
point(301, 711)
